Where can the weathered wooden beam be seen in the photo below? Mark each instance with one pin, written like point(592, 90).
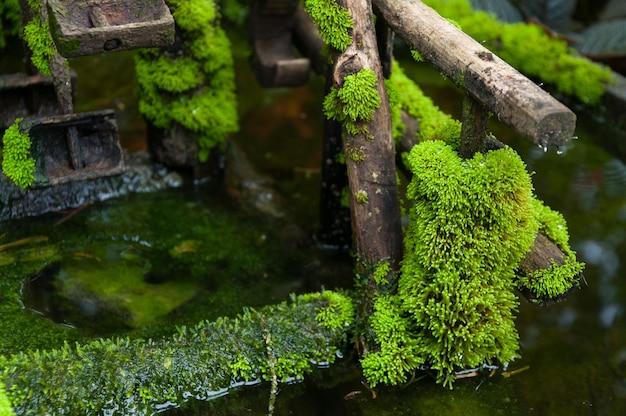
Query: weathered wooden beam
point(374, 206)
point(512, 97)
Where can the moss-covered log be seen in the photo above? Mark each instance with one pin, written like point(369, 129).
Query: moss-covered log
point(140, 377)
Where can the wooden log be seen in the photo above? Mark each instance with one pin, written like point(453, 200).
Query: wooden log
point(375, 214)
point(512, 97)
point(543, 255)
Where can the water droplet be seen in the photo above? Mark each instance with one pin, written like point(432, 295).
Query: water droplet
point(574, 137)
point(559, 150)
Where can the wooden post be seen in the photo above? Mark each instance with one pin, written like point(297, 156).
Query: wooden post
point(474, 128)
point(374, 206)
point(511, 96)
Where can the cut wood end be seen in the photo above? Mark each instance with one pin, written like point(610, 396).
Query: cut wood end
point(555, 129)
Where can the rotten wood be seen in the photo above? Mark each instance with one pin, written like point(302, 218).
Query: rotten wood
point(512, 97)
point(375, 219)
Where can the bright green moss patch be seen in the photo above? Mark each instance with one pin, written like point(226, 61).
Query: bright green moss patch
point(333, 21)
point(471, 223)
point(5, 406)
point(530, 50)
point(133, 376)
point(39, 40)
point(549, 284)
point(194, 87)
point(355, 102)
point(433, 123)
point(16, 161)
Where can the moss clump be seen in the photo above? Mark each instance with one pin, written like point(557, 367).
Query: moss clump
point(193, 86)
point(433, 123)
point(333, 21)
point(550, 284)
point(471, 223)
point(355, 102)
point(530, 50)
point(39, 40)
point(10, 20)
point(16, 161)
point(5, 405)
point(134, 376)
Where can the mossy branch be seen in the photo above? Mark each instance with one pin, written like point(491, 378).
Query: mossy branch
point(138, 376)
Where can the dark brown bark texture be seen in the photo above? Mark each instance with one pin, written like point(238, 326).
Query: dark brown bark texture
point(376, 224)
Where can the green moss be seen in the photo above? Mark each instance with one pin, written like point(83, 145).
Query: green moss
point(433, 123)
point(17, 164)
point(530, 50)
point(5, 406)
point(555, 281)
point(201, 361)
point(39, 40)
point(549, 284)
point(355, 102)
point(361, 196)
point(10, 21)
point(196, 87)
point(333, 21)
point(470, 224)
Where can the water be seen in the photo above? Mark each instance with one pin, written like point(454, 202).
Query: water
point(573, 354)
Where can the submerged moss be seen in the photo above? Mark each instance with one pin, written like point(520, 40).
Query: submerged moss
point(355, 102)
point(333, 21)
point(531, 50)
point(202, 361)
point(17, 164)
point(194, 87)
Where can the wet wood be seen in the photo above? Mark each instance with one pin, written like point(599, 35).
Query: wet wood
point(376, 221)
point(543, 255)
point(512, 97)
point(274, 61)
point(308, 41)
point(96, 149)
point(96, 26)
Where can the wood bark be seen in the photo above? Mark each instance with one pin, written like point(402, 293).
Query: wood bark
point(376, 227)
point(512, 97)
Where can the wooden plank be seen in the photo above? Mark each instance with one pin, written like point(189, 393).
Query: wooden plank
point(513, 98)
